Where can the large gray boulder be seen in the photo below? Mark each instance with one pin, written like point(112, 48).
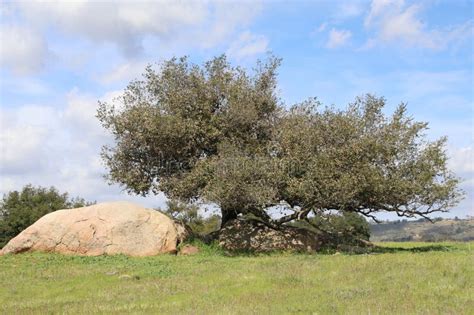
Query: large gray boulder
point(102, 229)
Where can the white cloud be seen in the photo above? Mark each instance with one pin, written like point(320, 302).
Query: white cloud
point(403, 25)
point(126, 23)
point(78, 32)
point(378, 7)
point(462, 161)
point(394, 22)
point(79, 115)
point(123, 23)
point(225, 17)
point(124, 72)
point(248, 45)
point(338, 38)
point(22, 50)
point(348, 9)
point(21, 139)
point(45, 145)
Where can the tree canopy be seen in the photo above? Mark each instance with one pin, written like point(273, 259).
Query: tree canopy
point(220, 134)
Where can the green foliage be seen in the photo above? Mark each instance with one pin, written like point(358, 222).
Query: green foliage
point(20, 209)
point(189, 214)
point(362, 161)
point(342, 228)
point(219, 134)
point(346, 225)
point(176, 128)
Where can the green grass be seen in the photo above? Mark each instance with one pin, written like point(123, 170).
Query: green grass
point(401, 278)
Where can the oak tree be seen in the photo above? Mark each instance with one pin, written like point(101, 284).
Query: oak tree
point(220, 134)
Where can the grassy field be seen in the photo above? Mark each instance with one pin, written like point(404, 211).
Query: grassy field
point(402, 278)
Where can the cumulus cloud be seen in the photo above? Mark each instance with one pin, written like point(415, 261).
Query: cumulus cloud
point(33, 31)
point(461, 162)
point(22, 49)
point(123, 23)
point(21, 139)
point(40, 138)
point(348, 9)
point(225, 17)
point(392, 21)
point(124, 72)
point(378, 7)
point(126, 24)
point(46, 145)
point(79, 114)
point(338, 38)
point(247, 45)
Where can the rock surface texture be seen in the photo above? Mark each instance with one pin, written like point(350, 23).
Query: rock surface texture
point(101, 229)
point(253, 236)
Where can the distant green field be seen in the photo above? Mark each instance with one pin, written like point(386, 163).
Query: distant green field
point(402, 278)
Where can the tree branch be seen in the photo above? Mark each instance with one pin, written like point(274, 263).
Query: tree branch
point(301, 214)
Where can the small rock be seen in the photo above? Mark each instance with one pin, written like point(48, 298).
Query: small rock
point(189, 250)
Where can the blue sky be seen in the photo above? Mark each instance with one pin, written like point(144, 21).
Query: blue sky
point(58, 59)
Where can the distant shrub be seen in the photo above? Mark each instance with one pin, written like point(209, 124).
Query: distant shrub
point(20, 209)
point(189, 214)
point(346, 227)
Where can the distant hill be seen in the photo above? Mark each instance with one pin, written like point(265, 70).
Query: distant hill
point(423, 230)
